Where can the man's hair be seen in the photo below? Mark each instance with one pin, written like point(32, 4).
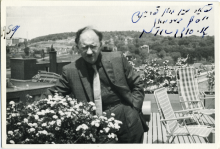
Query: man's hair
point(80, 31)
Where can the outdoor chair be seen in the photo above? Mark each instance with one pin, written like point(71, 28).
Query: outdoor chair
point(170, 121)
point(189, 95)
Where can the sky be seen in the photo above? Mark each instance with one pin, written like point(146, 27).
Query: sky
point(35, 21)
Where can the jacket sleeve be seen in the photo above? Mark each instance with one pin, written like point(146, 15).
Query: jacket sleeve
point(135, 84)
point(62, 85)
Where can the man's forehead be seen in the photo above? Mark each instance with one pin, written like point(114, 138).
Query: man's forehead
point(89, 34)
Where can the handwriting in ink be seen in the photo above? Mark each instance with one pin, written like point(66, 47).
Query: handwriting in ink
point(10, 29)
point(187, 30)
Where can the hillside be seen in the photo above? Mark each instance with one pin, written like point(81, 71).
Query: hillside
point(160, 47)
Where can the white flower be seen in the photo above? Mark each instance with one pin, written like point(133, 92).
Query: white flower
point(109, 136)
point(52, 111)
point(12, 103)
point(18, 123)
point(72, 103)
point(113, 135)
point(90, 135)
point(106, 129)
point(104, 113)
point(95, 116)
point(16, 130)
point(37, 134)
point(55, 117)
point(93, 108)
point(44, 124)
point(8, 108)
point(117, 121)
point(12, 142)
point(93, 123)
point(27, 140)
point(111, 125)
point(36, 117)
point(92, 103)
point(13, 114)
point(35, 125)
point(10, 132)
point(59, 122)
point(111, 119)
point(97, 124)
point(57, 128)
point(93, 139)
point(80, 104)
point(52, 123)
point(112, 114)
point(116, 126)
point(25, 120)
point(47, 111)
point(32, 130)
point(101, 131)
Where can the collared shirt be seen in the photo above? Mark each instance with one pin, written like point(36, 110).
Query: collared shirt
point(108, 94)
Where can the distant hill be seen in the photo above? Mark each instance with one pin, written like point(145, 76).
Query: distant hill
point(160, 47)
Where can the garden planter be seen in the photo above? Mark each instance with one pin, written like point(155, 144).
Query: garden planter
point(209, 103)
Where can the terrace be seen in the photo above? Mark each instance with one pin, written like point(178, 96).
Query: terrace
point(156, 133)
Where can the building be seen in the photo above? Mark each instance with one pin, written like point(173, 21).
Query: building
point(15, 40)
point(145, 47)
point(8, 42)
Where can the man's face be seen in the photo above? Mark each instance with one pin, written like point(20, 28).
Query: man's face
point(89, 46)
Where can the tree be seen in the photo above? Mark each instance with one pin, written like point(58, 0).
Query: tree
point(175, 56)
point(162, 54)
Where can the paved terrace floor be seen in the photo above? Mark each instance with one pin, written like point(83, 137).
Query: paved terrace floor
point(157, 132)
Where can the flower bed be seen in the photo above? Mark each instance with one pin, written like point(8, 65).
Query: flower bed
point(59, 120)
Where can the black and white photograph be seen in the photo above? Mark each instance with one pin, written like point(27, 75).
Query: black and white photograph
point(111, 72)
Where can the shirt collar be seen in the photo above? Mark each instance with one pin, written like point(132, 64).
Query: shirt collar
point(97, 63)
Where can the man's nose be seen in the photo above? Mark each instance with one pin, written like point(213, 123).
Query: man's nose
point(89, 51)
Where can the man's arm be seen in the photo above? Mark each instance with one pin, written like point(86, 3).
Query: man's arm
point(62, 85)
point(135, 84)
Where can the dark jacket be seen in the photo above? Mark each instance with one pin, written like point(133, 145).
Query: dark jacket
point(127, 83)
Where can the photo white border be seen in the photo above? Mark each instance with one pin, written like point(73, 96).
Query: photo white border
point(5, 3)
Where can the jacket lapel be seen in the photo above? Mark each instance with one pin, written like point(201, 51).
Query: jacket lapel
point(83, 73)
point(109, 69)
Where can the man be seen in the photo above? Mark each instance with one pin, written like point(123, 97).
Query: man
point(119, 89)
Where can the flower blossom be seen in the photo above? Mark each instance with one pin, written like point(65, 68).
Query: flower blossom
point(83, 126)
point(36, 117)
point(12, 103)
point(52, 123)
point(112, 114)
point(10, 132)
point(13, 114)
point(12, 142)
point(55, 117)
point(106, 129)
point(59, 122)
point(25, 120)
point(44, 124)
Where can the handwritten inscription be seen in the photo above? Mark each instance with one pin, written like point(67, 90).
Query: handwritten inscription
point(177, 18)
point(11, 30)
